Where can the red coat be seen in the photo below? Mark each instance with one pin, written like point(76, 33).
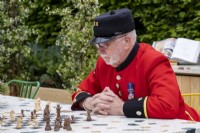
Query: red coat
point(156, 91)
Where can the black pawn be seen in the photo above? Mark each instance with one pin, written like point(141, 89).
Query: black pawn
point(67, 125)
point(89, 116)
point(72, 119)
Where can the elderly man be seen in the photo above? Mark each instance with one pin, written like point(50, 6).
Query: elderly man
point(130, 78)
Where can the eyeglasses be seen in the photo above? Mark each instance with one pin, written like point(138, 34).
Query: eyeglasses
point(107, 44)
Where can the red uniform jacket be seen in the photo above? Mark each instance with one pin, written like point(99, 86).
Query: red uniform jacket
point(156, 91)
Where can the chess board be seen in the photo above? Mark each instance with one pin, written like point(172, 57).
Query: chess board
point(99, 123)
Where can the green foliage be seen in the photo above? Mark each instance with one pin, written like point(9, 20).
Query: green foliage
point(79, 57)
point(48, 40)
point(47, 26)
point(13, 35)
point(4, 89)
point(160, 19)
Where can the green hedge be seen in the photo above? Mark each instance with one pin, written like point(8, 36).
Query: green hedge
point(160, 19)
point(26, 50)
point(48, 40)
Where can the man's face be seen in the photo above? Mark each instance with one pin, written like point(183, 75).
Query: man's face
point(112, 52)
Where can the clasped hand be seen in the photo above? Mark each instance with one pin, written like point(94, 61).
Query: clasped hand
point(105, 103)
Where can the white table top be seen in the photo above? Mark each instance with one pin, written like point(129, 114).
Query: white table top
point(99, 123)
point(187, 70)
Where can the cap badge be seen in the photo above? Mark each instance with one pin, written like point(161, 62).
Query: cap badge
point(96, 23)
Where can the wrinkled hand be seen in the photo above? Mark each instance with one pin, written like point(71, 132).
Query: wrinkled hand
point(100, 99)
point(108, 102)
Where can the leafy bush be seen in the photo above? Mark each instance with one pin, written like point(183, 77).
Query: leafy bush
point(48, 40)
point(24, 55)
point(13, 35)
point(78, 56)
point(160, 19)
point(4, 89)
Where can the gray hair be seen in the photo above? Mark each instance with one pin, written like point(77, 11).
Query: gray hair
point(133, 36)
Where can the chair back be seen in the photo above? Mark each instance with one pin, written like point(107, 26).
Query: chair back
point(28, 89)
point(193, 100)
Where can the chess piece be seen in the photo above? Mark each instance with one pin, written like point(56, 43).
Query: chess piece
point(21, 118)
point(12, 112)
point(36, 106)
point(57, 126)
point(60, 123)
point(89, 116)
point(46, 111)
point(3, 118)
point(19, 124)
point(22, 113)
point(34, 112)
point(58, 110)
point(12, 115)
point(49, 103)
point(32, 117)
point(67, 125)
point(39, 104)
point(12, 118)
point(59, 120)
point(72, 119)
point(48, 126)
point(35, 123)
point(29, 121)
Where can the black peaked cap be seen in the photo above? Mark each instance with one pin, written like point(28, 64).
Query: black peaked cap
point(108, 25)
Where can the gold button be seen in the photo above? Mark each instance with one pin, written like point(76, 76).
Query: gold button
point(118, 77)
point(117, 85)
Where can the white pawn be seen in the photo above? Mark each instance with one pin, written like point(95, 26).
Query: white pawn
point(38, 104)
point(12, 118)
point(35, 123)
point(12, 115)
point(21, 118)
point(29, 121)
point(19, 123)
point(3, 118)
point(34, 116)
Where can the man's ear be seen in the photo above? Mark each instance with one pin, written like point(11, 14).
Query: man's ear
point(127, 42)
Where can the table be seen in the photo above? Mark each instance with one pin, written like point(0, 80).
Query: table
point(192, 70)
point(99, 123)
point(188, 77)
